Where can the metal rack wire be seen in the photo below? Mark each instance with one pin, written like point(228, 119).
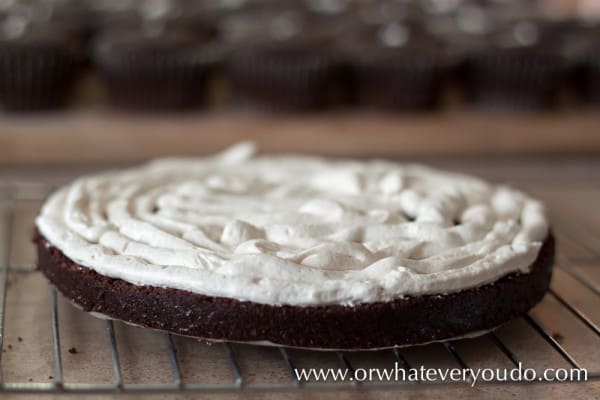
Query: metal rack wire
point(11, 195)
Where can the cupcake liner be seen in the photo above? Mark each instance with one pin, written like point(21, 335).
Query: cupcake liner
point(36, 77)
point(591, 91)
point(524, 80)
point(156, 84)
point(282, 80)
point(404, 82)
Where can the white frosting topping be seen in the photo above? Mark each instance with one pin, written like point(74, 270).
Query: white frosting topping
point(295, 230)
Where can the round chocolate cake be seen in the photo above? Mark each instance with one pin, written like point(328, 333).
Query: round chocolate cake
point(298, 251)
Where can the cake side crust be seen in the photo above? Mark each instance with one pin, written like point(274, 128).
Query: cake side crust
point(405, 321)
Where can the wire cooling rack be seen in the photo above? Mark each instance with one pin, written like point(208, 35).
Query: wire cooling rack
point(561, 332)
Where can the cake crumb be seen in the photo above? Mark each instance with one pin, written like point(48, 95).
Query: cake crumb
point(73, 350)
point(557, 336)
point(10, 346)
point(30, 379)
point(20, 339)
point(50, 377)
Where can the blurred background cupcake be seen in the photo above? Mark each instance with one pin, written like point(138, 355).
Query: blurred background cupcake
point(581, 45)
point(152, 58)
point(589, 83)
point(397, 66)
point(516, 63)
point(41, 56)
point(155, 70)
point(280, 60)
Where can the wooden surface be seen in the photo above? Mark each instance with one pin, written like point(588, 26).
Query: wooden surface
point(569, 187)
point(103, 137)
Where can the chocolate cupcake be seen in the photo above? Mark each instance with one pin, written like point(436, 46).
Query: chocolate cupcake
point(282, 77)
point(589, 81)
point(279, 62)
point(398, 67)
point(155, 70)
point(582, 46)
point(517, 68)
point(39, 65)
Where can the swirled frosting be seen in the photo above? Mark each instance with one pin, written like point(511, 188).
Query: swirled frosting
point(294, 230)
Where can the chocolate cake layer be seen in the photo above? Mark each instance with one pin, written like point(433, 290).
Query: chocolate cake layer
point(405, 321)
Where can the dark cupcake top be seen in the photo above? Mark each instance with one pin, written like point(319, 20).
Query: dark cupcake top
point(580, 42)
point(24, 35)
point(153, 43)
point(392, 42)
